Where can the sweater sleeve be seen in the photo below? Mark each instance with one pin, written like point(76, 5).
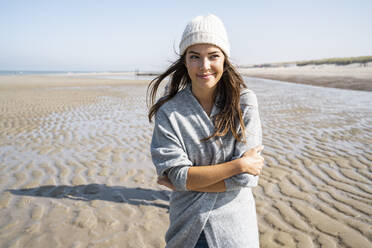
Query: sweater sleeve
point(253, 134)
point(167, 153)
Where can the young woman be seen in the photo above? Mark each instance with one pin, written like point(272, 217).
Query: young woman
point(206, 143)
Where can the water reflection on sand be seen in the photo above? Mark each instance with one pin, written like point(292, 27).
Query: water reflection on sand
point(75, 169)
point(316, 187)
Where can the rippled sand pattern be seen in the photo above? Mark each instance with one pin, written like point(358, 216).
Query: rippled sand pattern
point(315, 190)
point(75, 169)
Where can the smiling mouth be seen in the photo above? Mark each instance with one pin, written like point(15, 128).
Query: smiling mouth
point(205, 76)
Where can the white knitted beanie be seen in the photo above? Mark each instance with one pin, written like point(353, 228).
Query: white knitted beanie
point(205, 29)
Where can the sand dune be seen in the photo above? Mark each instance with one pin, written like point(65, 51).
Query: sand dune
point(75, 169)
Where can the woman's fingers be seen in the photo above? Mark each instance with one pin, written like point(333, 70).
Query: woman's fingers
point(259, 148)
point(262, 158)
point(254, 151)
point(254, 162)
point(165, 182)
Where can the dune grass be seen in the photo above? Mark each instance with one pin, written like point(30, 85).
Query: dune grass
point(337, 61)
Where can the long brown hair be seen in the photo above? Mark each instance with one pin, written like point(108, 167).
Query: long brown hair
point(228, 89)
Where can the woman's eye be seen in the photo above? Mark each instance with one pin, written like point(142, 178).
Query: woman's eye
point(215, 56)
point(193, 57)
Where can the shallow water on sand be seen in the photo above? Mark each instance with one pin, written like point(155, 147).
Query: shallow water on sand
point(75, 169)
point(316, 187)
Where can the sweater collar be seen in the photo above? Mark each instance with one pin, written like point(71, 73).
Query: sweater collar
point(215, 110)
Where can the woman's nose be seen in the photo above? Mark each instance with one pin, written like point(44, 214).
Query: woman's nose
point(205, 64)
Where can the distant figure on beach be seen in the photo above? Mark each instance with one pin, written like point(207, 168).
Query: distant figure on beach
point(206, 143)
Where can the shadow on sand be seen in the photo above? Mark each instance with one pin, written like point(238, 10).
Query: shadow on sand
point(134, 196)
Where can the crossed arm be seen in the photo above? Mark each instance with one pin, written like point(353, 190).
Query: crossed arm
point(211, 178)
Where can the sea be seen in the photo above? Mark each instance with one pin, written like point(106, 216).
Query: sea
point(129, 75)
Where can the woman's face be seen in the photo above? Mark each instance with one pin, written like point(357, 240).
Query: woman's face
point(204, 63)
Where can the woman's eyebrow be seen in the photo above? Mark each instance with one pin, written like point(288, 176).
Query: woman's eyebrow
point(199, 53)
point(194, 52)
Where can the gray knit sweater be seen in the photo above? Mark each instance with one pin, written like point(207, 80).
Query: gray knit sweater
point(229, 218)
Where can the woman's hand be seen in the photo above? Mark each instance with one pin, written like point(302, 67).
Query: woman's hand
point(252, 162)
point(166, 182)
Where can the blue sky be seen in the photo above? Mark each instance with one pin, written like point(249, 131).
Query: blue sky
point(125, 35)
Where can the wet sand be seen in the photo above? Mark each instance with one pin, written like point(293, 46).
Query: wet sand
point(354, 76)
point(75, 168)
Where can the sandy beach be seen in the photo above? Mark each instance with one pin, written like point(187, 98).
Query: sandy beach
point(353, 76)
point(75, 168)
